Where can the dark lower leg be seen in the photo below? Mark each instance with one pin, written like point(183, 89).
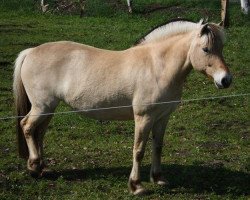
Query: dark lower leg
point(158, 134)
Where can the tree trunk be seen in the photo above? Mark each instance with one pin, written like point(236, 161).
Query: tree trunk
point(82, 7)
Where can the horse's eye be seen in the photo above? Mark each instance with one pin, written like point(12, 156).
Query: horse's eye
point(205, 49)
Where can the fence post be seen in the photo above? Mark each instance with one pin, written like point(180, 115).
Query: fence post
point(224, 13)
point(82, 7)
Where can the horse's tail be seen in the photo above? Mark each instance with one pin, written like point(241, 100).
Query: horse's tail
point(22, 103)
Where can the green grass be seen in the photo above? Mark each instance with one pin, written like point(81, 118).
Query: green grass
point(206, 153)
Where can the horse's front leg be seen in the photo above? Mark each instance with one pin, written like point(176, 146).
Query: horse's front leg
point(129, 2)
point(143, 126)
point(158, 131)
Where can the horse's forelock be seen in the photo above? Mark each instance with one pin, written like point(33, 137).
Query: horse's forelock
point(215, 33)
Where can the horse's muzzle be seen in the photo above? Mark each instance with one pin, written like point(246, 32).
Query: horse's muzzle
point(224, 81)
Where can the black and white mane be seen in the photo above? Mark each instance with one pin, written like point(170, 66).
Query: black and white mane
point(170, 28)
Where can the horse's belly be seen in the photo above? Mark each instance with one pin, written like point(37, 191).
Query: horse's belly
point(102, 107)
point(110, 113)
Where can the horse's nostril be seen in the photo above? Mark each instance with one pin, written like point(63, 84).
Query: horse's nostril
point(226, 81)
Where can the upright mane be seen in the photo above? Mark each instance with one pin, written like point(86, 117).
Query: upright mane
point(170, 28)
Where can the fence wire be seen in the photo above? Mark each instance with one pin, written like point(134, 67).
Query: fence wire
point(129, 106)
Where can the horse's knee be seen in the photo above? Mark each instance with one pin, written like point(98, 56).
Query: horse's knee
point(23, 122)
point(27, 129)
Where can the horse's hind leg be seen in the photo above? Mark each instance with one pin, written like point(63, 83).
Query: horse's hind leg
point(129, 2)
point(29, 125)
point(39, 135)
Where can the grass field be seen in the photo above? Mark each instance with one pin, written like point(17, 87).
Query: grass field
point(206, 153)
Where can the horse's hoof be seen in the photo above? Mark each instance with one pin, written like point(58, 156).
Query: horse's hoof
point(136, 187)
point(35, 174)
point(159, 180)
point(140, 192)
point(162, 182)
point(35, 168)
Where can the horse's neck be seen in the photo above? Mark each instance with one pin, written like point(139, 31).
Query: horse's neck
point(172, 64)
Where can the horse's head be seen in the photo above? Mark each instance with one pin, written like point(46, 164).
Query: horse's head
point(206, 54)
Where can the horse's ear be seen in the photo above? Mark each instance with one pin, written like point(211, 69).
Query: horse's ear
point(204, 29)
point(206, 20)
point(221, 23)
point(203, 21)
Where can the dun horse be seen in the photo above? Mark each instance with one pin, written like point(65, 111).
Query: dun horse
point(85, 77)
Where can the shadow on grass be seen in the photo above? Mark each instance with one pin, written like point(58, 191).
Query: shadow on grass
point(194, 178)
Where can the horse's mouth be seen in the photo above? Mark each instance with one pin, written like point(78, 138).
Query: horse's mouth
point(219, 86)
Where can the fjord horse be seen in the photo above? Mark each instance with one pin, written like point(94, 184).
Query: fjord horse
point(85, 77)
